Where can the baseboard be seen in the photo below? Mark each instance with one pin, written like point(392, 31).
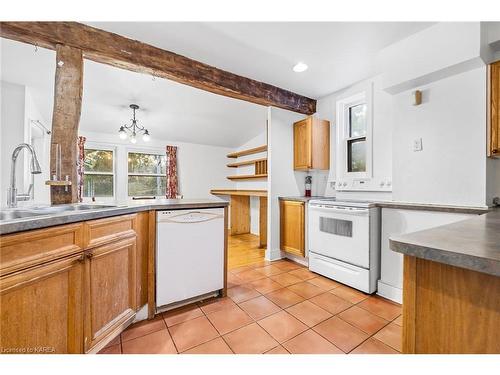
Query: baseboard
point(142, 313)
point(273, 255)
point(390, 292)
point(297, 259)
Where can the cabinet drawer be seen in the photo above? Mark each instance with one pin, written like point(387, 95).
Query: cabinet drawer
point(27, 249)
point(102, 231)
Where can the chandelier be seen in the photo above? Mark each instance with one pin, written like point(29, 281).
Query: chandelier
point(131, 131)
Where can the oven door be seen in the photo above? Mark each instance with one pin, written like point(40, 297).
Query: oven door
point(341, 233)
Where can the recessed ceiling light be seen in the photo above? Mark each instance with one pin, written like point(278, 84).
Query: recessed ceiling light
point(300, 67)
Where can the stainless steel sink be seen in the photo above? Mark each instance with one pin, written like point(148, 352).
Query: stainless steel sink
point(17, 214)
point(35, 211)
point(84, 207)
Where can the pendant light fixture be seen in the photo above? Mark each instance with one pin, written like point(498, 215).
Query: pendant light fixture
point(133, 130)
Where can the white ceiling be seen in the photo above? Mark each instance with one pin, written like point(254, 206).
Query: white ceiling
point(24, 65)
point(337, 53)
point(170, 111)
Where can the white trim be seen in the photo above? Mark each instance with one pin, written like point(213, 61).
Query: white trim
point(389, 292)
point(141, 150)
point(102, 147)
point(342, 113)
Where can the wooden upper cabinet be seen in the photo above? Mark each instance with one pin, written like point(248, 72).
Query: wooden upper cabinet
point(110, 289)
point(292, 227)
point(311, 144)
point(494, 110)
point(42, 308)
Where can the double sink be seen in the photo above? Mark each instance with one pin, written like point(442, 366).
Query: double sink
point(35, 211)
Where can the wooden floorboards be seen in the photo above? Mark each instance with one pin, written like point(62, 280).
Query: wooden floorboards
point(243, 250)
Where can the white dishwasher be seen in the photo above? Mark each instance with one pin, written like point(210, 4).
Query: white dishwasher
point(189, 255)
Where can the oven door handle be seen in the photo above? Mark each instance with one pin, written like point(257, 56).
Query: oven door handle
point(357, 212)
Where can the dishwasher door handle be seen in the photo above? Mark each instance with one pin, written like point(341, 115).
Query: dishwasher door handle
point(191, 217)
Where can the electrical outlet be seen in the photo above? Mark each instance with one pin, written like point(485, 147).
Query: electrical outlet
point(417, 144)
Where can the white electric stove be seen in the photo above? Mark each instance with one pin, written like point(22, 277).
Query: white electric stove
point(344, 242)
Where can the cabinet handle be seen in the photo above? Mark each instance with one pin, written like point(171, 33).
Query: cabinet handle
point(90, 255)
point(81, 259)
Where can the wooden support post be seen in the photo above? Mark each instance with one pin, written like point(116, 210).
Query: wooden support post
point(240, 214)
point(66, 118)
point(263, 222)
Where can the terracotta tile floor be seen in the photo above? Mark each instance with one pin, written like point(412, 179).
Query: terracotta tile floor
point(297, 312)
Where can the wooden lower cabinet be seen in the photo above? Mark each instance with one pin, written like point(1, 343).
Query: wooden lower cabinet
point(292, 227)
point(42, 308)
point(449, 310)
point(78, 302)
point(110, 290)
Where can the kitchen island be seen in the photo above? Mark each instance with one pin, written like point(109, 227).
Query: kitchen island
point(73, 278)
point(451, 288)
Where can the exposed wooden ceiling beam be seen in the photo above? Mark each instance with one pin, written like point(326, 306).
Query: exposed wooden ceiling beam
point(116, 50)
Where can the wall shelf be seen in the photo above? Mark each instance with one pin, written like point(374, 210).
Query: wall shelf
point(247, 162)
point(247, 176)
point(250, 151)
point(247, 193)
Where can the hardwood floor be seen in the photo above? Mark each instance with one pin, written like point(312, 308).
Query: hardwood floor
point(243, 250)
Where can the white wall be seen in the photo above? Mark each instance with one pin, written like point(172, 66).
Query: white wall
point(437, 52)
point(200, 167)
point(12, 133)
point(396, 222)
point(283, 180)
point(259, 140)
point(382, 138)
point(451, 168)
point(40, 141)
point(492, 180)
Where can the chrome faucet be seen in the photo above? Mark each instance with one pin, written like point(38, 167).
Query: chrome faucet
point(12, 196)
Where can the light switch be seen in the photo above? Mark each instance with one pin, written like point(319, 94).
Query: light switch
point(417, 144)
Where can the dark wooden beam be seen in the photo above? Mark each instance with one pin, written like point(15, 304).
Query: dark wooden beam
point(116, 50)
point(66, 118)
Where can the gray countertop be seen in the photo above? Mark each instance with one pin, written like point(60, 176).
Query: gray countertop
point(402, 205)
point(473, 243)
point(299, 199)
point(37, 222)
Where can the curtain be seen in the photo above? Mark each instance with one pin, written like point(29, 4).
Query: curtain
point(172, 183)
point(80, 167)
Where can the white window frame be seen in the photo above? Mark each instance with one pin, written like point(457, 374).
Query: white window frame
point(148, 151)
point(100, 147)
point(342, 106)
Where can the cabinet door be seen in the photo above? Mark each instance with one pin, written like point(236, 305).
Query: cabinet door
point(292, 230)
point(302, 142)
point(494, 126)
point(42, 308)
point(110, 290)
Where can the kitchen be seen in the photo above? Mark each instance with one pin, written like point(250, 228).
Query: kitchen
point(154, 213)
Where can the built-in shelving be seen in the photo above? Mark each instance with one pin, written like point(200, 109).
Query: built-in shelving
point(249, 151)
point(246, 162)
point(247, 176)
point(246, 193)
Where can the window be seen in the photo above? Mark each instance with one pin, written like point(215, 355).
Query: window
point(98, 177)
point(356, 142)
point(146, 174)
point(354, 136)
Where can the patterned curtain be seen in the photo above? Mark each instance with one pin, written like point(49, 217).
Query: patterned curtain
point(172, 184)
point(80, 167)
